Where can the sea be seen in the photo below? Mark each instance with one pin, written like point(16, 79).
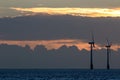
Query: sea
point(59, 74)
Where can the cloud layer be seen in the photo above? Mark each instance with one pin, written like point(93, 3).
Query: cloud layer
point(45, 27)
point(12, 56)
point(52, 44)
point(50, 27)
point(87, 12)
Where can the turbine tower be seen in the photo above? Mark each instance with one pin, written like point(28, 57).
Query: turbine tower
point(108, 46)
point(92, 45)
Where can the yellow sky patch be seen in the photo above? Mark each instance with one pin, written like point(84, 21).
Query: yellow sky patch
point(87, 12)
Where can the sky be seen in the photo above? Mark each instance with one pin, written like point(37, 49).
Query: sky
point(13, 7)
point(54, 23)
point(76, 9)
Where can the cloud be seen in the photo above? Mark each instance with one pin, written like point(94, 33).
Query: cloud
point(60, 27)
point(49, 44)
point(87, 12)
point(55, 44)
point(13, 56)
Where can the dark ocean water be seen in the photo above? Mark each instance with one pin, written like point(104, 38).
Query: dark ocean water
point(58, 74)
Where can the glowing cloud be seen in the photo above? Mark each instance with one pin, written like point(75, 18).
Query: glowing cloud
point(50, 44)
point(87, 12)
point(55, 44)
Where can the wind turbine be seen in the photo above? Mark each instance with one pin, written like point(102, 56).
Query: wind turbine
point(108, 46)
point(92, 45)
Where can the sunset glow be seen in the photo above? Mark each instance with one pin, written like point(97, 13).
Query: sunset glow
point(55, 44)
point(49, 44)
point(87, 12)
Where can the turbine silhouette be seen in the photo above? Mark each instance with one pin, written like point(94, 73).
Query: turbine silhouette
point(108, 46)
point(92, 45)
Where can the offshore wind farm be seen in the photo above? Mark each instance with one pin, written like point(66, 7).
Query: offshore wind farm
point(51, 40)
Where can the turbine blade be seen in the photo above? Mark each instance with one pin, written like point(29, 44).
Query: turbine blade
point(108, 43)
point(94, 45)
point(93, 37)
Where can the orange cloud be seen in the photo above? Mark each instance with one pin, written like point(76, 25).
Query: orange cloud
point(49, 44)
point(55, 44)
point(87, 12)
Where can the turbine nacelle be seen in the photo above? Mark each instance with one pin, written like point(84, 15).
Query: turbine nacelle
point(108, 44)
point(92, 43)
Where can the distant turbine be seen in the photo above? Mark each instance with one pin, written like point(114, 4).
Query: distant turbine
point(108, 46)
point(92, 45)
